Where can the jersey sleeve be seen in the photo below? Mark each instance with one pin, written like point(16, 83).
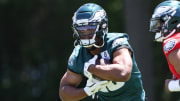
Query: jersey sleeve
point(72, 62)
point(169, 46)
point(121, 42)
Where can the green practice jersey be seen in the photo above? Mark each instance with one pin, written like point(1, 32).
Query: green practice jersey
point(132, 90)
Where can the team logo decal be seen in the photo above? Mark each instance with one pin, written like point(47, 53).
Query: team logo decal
point(169, 45)
point(118, 41)
point(105, 55)
point(164, 9)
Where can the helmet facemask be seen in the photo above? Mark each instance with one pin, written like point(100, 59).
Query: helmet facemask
point(88, 35)
point(159, 25)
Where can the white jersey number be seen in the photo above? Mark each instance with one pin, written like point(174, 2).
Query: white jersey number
point(112, 86)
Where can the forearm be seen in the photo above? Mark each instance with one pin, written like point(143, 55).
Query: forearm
point(113, 72)
point(68, 93)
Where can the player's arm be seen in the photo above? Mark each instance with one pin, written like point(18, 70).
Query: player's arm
point(68, 90)
point(119, 70)
point(174, 58)
point(173, 85)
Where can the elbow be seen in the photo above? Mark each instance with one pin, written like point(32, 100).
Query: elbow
point(127, 72)
point(125, 75)
point(62, 95)
point(121, 77)
point(61, 98)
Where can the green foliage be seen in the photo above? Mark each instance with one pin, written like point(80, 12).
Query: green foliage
point(36, 41)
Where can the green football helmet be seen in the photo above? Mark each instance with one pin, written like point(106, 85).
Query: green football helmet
point(90, 24)
point(165, 19)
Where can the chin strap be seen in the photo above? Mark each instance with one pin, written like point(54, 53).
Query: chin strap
point(97, 46)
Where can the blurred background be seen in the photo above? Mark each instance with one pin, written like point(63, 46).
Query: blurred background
point(36, 42)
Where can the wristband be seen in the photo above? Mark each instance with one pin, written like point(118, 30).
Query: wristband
point(173, 86)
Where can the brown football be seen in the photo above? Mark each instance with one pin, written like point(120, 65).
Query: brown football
point(102, 61)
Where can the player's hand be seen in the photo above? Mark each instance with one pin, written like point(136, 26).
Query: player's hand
point(94, 85)
point(87, 64)
point(167, 83)
point(172, 85)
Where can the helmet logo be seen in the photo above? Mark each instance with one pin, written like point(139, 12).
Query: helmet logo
point(98, 15)
point(163, 10)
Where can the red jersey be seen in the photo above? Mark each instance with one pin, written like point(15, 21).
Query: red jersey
point(169, 45)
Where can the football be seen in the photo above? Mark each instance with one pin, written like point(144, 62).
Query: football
point(102, 61)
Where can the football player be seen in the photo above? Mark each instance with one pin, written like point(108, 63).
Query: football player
point(165, 22)
point(118, 81)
